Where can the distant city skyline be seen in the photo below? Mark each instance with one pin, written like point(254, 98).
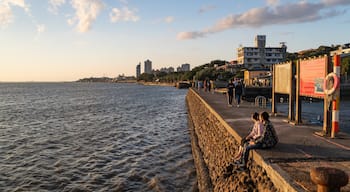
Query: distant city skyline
point(66, 40)
point(147, 68)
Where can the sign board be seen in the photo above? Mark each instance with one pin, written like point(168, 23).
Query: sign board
point(282, 75)
point(312, 74)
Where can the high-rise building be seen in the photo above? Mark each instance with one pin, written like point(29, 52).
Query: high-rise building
point(260, 55)
point(138, 70)
point(167, 70)
point(148, 66)
point(185, 67)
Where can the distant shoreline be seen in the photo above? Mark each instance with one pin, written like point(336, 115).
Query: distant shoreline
point(157, 84)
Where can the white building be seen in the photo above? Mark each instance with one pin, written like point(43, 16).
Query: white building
point(260, 55)
point(344, 49)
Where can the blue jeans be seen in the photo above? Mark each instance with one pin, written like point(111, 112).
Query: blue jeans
point(247, 147)
point(238, 97)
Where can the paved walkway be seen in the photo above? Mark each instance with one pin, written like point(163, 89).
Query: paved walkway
point(299, 148)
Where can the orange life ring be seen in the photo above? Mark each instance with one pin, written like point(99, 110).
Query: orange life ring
point(336, 83)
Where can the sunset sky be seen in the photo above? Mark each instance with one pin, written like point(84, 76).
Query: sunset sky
point(65, 40)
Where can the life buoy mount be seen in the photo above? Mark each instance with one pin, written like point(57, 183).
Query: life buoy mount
point(331, 83)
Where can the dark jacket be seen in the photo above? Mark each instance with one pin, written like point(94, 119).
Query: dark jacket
point(269, 138)
point(239, 89)
point(230, 88)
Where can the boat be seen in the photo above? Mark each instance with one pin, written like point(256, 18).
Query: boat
point(183, 85)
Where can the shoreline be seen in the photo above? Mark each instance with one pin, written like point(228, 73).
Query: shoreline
point(157, 84)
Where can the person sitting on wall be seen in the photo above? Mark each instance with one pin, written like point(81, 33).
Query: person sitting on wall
point(255, 133)
point(268, 140)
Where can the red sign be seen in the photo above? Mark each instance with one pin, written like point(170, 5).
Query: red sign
point(312, 74)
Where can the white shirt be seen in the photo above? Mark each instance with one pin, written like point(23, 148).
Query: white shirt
point(257, 131)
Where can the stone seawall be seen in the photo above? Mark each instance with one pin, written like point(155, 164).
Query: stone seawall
point(214, 144)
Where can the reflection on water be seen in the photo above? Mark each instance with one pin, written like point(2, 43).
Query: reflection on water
point(313, 113)
point(94, 137)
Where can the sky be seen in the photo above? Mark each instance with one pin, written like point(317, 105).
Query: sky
point(66, 40)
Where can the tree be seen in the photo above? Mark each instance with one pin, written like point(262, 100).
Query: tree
point(146, 77)
point(240, 74)
point(188, 75)
point(205, 73)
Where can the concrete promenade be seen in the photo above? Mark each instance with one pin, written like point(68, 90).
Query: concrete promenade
point(299, 149)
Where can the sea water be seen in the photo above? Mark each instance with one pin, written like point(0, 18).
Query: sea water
point(312, 113)
point(94, 137)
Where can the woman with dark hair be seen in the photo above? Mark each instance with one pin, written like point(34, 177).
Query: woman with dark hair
point(268, 140)
point(255, 133)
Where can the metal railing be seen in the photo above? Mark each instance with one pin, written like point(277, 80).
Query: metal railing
point(260, 101)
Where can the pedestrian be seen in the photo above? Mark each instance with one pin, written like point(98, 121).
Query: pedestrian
point(208, 85)
point(212, 86)
point(229, 92)
point(268, 140)
point(255, 133)
point(199, 85)
point(239, 91)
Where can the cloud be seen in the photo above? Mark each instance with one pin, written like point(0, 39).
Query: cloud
point(55, 4)
point(123, 15)
point(169, 19)
point(40, 28)
point(86, 12)
point(18, 3)
point(207, 8)
point(190, 35)
point(280, 14)
point(6, 15)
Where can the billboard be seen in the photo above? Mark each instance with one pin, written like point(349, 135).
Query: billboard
point(312, 74)
point(282, 75)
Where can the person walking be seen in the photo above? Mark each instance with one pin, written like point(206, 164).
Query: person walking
point(239, 91)
point(212, 86)
point(268, 140)
point(229, 93)
point(208, 85)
